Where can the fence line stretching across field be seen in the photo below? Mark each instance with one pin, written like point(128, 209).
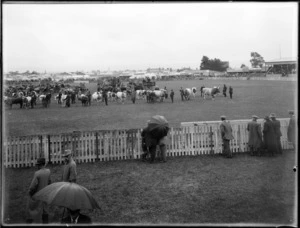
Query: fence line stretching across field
point(192, 138)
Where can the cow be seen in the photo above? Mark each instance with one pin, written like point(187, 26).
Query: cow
point(84, 99)
point(194, 91)
point(141, 94)
point(187, 92)
point(157, 95)
point(211, 92)
point(10, 101)
point(97, 96)
point(121, 96)
point(111, 96)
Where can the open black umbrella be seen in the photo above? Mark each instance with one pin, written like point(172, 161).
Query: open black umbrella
point(158, 126)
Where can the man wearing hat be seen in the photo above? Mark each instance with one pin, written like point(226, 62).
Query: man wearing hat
point(41, 179)
point(255, 136)
point(269, 136)
point(69, 170)
point(276, 126)
point(226, 133)
point(292, 129)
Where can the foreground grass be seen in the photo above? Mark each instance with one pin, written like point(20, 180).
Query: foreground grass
point(196, 190)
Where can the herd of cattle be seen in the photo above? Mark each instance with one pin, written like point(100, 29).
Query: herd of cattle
point(65, 96)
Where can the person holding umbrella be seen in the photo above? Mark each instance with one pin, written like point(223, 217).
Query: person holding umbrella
point(69, 170)
point(72, 197)
point(75, 217)
point(41, 179)
point(154, 134)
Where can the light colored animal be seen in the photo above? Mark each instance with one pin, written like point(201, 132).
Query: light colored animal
point(211, 92)
point(141, 94)
point(111, 96)
point(194, 91)
point(159, 94)
point(97, 96)
point(121, 96)
point(187, 92)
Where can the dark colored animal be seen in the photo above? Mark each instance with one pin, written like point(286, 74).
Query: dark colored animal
point(10, 101)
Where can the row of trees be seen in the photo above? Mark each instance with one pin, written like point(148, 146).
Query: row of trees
point(218, 65)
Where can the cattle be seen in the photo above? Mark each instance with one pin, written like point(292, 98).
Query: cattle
point(211, 92)
point(84, 99)
point(187, 92)
point(111, 96)
point(141, 94)
point(10, 101)
point(194, 91)
point(45, 98)
point(97, 96)
point(156, 95)
point(121, 96)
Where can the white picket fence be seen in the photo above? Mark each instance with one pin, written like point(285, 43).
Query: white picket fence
point(193, 138)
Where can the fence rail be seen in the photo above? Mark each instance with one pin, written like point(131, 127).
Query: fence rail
point(192, 138)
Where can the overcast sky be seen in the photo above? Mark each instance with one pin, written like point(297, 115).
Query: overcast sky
point(70, 37)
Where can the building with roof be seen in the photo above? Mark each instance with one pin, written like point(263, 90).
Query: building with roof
point(284, 66)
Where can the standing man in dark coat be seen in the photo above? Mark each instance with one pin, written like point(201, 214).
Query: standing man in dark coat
point(276, 126)
point(224, 90)
point(201, 90)
point(70, 168)
point(230, 92)
point(104, 95)
point(269, 136)
point(292, 129)
point(172, 95)
point(89, 96)
point(75, 217)
point(226, 133)
point(37, 209)
point(68, 99)
point(133, 96)
point(255, 136)
point(181, 93)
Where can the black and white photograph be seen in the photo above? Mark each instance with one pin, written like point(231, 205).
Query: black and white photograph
point(149, 113)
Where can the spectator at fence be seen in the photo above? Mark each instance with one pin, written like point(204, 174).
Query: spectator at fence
point(292, 129)
point(230, 92)
point(172, 95)
point(226, 134)
point(69, 169)
point(255, 136)
point(37, 209)
point(224, 90)
point(149, 144)
point(276, 126)
point(269, 136)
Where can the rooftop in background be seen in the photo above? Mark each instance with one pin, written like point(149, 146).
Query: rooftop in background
point(282, 61)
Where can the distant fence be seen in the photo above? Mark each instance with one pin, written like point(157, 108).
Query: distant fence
point(193, 138)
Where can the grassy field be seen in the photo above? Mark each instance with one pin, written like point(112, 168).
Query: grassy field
point(249, 97)
point(185, 190)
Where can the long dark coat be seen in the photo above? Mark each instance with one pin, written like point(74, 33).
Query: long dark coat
point(269, 136)
point(255, 135)
point(292, 130)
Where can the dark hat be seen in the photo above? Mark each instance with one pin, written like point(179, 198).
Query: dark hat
point(267, 118)
point(291, 112)
point(41, 161)
point(66, 153)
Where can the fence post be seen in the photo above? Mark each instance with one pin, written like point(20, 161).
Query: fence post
point(41, 146)
point(97, 147)
point(49, 150)
point(211, 140)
